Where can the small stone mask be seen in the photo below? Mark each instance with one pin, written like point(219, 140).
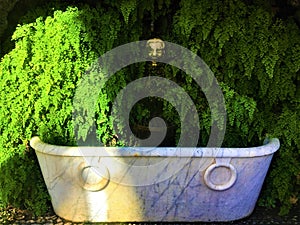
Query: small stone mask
point(155, 47)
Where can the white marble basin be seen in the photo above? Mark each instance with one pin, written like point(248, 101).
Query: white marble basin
point(106, 184)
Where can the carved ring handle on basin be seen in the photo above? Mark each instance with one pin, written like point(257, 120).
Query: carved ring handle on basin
point(93, 178)
point(220, 187)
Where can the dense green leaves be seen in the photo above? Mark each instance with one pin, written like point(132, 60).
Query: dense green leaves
point(38, 81)
point(255, 57)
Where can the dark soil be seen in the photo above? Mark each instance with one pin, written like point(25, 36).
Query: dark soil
point(260, 215)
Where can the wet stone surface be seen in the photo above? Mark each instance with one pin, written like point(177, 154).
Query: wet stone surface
point(260, 215)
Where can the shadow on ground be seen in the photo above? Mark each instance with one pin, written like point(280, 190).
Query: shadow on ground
point(260, 215)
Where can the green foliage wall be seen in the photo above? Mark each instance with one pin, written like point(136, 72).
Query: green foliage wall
point(38, 80)
point(258, 56)
point(254, 55)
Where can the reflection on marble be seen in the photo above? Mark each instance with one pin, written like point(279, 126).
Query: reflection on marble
point(104, 184)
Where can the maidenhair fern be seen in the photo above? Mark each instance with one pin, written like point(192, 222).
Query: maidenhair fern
point(38, 79)
point(256, 56)
point(127, 7)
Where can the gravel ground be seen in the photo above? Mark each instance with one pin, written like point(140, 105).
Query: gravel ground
point(259, 216)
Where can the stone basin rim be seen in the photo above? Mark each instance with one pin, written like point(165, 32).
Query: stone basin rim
point(270, 146)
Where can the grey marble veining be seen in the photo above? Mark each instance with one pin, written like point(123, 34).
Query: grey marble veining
point(101, 184)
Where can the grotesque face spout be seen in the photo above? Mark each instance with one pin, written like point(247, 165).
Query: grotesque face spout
point(155, 47)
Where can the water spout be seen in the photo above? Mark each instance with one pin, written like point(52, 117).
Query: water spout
point(155, 47)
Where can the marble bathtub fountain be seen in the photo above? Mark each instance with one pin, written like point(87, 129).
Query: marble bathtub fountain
point(126, 184)
point(153, 184)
